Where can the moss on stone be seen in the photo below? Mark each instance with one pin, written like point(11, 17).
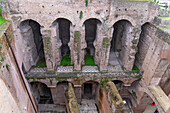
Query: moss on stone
point(114, 95)
point(134, 94)
point(71, 100)
point(138, 0)
point(41, 64)
point(81, 15)
point(77, 36)
point(47, 44)
point(106, 42)
point(134, 41)
point(66, 61)
point(134, 47)
point(164, 17)
point(89, 61)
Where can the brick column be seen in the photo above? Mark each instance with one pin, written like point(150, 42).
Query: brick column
point(47, 40)
point(129, 48)
point(79, 46)
point(53, 93)
point(98, 43)
point(105, 49)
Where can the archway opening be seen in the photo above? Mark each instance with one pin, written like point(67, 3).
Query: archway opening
point(91, 26)
point(119, 42)
point(118, 83)
point(33, 42)
point(63, 36)
point(61, 88)
point(41, 93)
point(90, 90)
point(143, 45)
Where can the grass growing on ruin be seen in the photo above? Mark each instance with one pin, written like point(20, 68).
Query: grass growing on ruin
point(135, 69)
point(138, 0)
point(165, 18)
point(66, 61)
point(41, 64)
point(2, 20)
point(89, 61)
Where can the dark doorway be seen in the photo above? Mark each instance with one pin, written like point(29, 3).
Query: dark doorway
point(42, 93)
point(64, 35)
point(88, 91)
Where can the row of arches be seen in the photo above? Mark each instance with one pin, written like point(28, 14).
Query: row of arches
point(89, 90)
point(34, 47)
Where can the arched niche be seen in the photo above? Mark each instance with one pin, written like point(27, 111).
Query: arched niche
point(33, 44)
point(92, 27)
point(63, 34)
point(60, 96)
point(120, 39)
point(42, 93)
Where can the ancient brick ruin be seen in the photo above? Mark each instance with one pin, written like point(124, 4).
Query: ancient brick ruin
point(84, 56)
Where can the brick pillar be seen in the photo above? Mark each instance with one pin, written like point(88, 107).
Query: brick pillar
point(78, 92)
point(53, 93)
point(129, 48)
point(71, 43)
point(47, 40)
point(56, 44)
point(105, 49)
point(98, 43)
point(79, 46)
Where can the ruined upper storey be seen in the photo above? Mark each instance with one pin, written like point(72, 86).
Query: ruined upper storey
point(46, 12)
point(107, 30)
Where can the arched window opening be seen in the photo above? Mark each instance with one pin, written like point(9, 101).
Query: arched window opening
point(33, 42)
point(118, 44)
point(61, 88)
point(63, 34)
point(41, 93)
point(91, 26)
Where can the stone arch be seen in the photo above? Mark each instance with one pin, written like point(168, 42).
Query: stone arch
point(118, 83)
point(41, 93)
point(67, 18)
point(83, 20)
point(61, 87)
point(39, 21)
point(39, 81)
point(84, 81)
point(119, 47)
point(63, 36)
point(131, 20)
point(43, 81)
point(90, 90)
point(30, 31)
point(143, 45)
point(92, 27)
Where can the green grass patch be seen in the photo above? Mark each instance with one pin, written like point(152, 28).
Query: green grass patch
point(135, 69)
point(0, 10)
point(134, 94)
point(41, 64)
point(164, 17)
point(89, 61)
point(164, 27)
point(2, 20)
point(138, 0)
point(66, 61)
